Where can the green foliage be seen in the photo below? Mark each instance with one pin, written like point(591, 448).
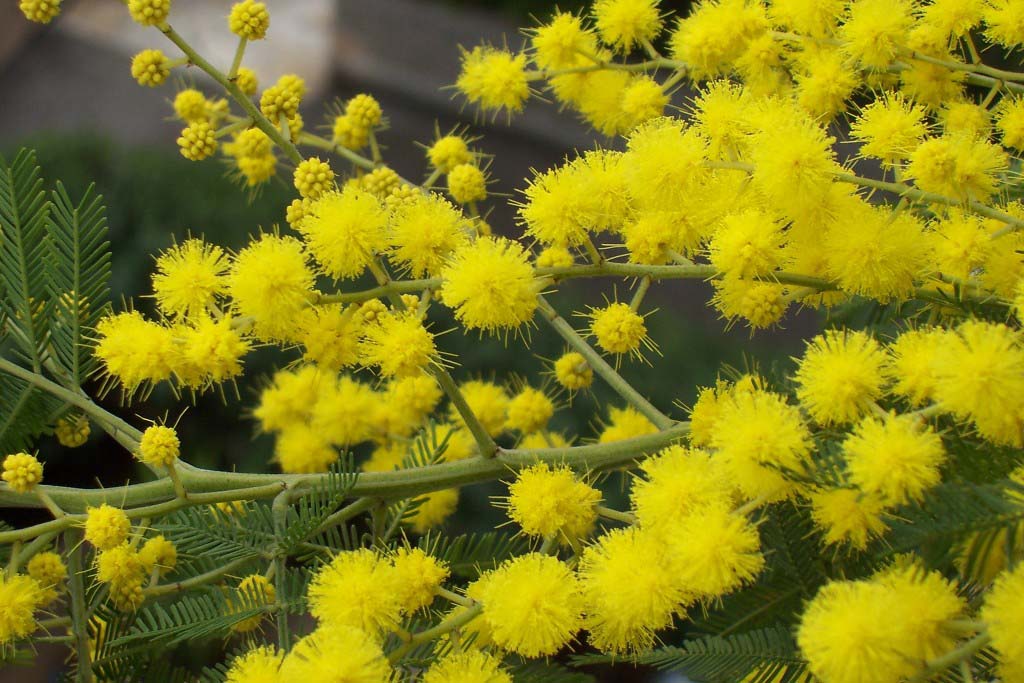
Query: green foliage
point(727, 659)
point(49, 248)
point(469, 554)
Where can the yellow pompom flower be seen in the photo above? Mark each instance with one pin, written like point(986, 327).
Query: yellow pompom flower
point(880, 630)
point(72, 431)
point(760, 304)
point(22, 472)
point(191, 106)
point(302, 449)
point(1002, 614)
point(625, 24)
point(270, 281)
point(258, 665)
point(398, 345)
point(416, 577)
point(134, 350)
point(912, 363)
point(158, 553)
point(106, 527)
point(816, 18)
point(449, 151)
point(561, 42)
point(551, 502)
point(343, 411)
point(663, 164)
point(150, 68)
point(330, 336)
point(249, 20)
point(344, 230)
point(756, 435)
point(364, 110)
point(714, 551)
point(1004, 22)
point(840, 376)
point(159, 446)
point(467, 183)
point(529, 411)
point(211, 351)
point(313, 177)
point(890, 128)
point(119, 564)
point(470, 666)
point(715, 34)
point(247, 81)
point(980, 377)
point(896, 459)
point(619, 329)
point(47, 568)
point(747, 244)
point(875, 30)
point(555, 257)
point(425, 232)
point(354, 591)
point(20, 596)
point(197, 141)
point(872, 251)
point(958, 166)
point(433, 509)
point(149, 12)
point(960, 243)
point(283, 98)
point(629, 591)
point(825, 83)
point(625, 423)
point(490, 285)
point(488, 401)
point(1010, 121)
point(558, 206)
point(286, 401)
point(252, 592)
point(532, 604)
point(573, 372)
point(189, 277)
point(677, 482)
point(847, 516)
point(495, 79)
point(333, 654)
point(41, 12)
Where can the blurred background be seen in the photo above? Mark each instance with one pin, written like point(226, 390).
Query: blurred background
point(67, 92)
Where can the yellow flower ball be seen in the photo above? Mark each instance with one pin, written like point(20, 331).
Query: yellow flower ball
point(313, 177)
point(249, 20)
point(840, 376)
point(449, 151)
point(158, 553)
point(848, 516)
point(467, 183)
point(197, 141)
point(364, 110)
point(529, 411)
point(149, 12)
point(625, 24)
point(551, 502)
point(495, 79)
point(22, 472)
point(471, 666)
point(247, 81)
point(417, 576)
point(40, 11)
point(532, 604)
point(336, 653)
point(354, 591)
point(47, 568)
point(252, 591)
point(895, 459)
point(72, 431)
point(398, 345)
point(490, 285)
point(271, 281)
point(150, 68)
point(159, 446)
point(106, 526)
point(345, 230)
point(619, 329)
point(20, 596)
point(258, 665)
point(573, 372)
point(677, 482)
point(625, 423)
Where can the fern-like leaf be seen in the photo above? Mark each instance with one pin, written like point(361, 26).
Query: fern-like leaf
point(469, 554)
point(25, 412)
point(24, 209)
point(79, 271)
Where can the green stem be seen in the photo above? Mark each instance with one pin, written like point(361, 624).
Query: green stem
point(79, 615)
point(237, 61)
point(446, 626)
point(280, 512)
point(601, 366)
point(952, 658)
point(196, 581)
point(454, 597)
point(261, 121)
point(209, 486)
point(609, 513)
point(392, 287)
point(344, 514)
point(641, 291)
